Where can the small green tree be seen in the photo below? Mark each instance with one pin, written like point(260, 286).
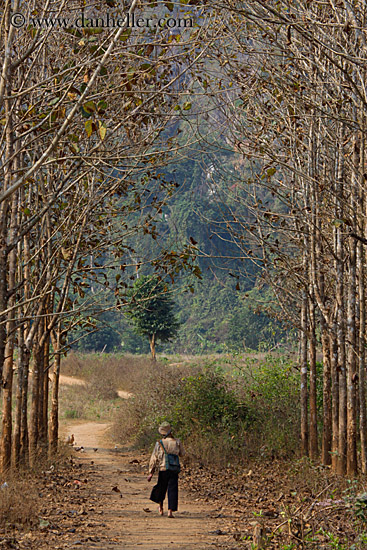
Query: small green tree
point(151, 311)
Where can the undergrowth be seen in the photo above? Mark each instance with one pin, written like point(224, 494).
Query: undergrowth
point(20, 499)
point(223, 416)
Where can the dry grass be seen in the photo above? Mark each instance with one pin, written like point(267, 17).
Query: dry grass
point(19, 502)
point(85, 403)
point(136, 420)
point(104, 374)
point(122, 372)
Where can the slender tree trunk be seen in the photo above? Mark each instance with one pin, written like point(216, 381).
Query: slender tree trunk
point(54, 415)
point(6, 365)
point(335, 396)
point(361, 257)
point(7, 373)
point(41, 357)
point(152, 346)
point(304, 376)
point(42, 428)
point(326, 392)
point(312, 277)
point(3, 285)
point(342, 457)
point(351, 332)
point(313, 383)
point(24, 438)
point(46, 365)
point(18, 398)
point(35, 398)
point(7, 426)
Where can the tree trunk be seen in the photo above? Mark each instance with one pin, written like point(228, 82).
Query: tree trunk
point(6, 433)
point(304, 376)
point(46, 366)
point(18, 398)
point(361, 257)
point(362, 357)
point(54, 415)
point(7, 345)
point(24, 438)
point(335, 397)
point(152, 346)
point(34, 407)
point(342, 451)
point(326, 392)
point(351, 330)
point(313, 384)
point(312, 203)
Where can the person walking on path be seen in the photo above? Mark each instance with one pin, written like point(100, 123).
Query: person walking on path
point(165, 458)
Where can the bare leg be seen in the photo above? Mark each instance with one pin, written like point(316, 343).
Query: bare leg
point(161, 508)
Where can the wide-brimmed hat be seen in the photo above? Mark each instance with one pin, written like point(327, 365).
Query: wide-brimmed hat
point(165, 428)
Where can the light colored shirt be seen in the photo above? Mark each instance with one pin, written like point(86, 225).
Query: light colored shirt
point(158, 458)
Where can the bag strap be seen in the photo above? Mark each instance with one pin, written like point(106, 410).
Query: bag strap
point(163, 447)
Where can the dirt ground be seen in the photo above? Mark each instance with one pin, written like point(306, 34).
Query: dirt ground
point(105, 504)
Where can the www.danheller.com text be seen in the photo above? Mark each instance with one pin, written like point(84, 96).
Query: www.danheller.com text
point(130, 21)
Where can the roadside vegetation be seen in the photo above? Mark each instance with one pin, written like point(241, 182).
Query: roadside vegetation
point(238, 416)
point(227, 410)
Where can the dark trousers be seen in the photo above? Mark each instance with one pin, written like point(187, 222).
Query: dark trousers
point(168, 483)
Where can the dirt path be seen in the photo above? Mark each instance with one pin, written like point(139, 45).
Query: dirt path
point(112, 506)
point(72, 381)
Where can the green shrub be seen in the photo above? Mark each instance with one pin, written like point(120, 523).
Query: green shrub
point(211, 416)
point(272, 393)
point(207, 402)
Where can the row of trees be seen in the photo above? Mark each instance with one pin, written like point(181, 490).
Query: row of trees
point(293, 107)
point(82, 114)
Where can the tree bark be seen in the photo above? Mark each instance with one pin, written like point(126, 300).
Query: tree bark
point(304, 376)
point(361, 258)
point(313, 383)
point(34, 406)
point(340, 287)
point(7, 374)
point(326, 392)
point(7, 423)
point(335, 396)
point(152, 346)
point(351, 330)
point(54, 415)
